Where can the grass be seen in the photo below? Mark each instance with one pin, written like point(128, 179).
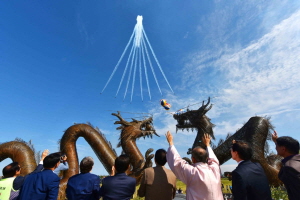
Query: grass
point(277, 192)
point(226, 185)
point(181, 185)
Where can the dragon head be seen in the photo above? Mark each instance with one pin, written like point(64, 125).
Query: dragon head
point(134, 129)
point(196, 119)
point(146, 128)
point(130, 131)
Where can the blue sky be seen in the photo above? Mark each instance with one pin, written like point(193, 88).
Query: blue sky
point(56, 57)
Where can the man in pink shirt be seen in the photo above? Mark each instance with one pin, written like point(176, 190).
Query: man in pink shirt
point(203, 178)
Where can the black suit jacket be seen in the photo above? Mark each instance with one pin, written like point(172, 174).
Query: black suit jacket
point(118, 187)
point(289, 174)
point(249, 182)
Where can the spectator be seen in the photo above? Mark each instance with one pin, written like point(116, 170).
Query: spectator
point(84, 186)
point(249, 180)
point(44, 184)
point(158, 182)
point(118, 186)
point(203, 179)
point(63, 165)
point(12, 182)
point(289, 173)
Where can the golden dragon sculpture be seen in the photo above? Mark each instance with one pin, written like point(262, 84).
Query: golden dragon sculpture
point(130, 131)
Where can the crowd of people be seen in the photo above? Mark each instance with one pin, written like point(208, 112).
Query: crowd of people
point(202, 178)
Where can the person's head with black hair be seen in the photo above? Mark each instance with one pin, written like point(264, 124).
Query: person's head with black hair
point(160, 157)
point(52, 161)
point(122, 163)
point(11, 170)
point(199, 155)
point(86, 165)
point(291, 145)
point(241, 150)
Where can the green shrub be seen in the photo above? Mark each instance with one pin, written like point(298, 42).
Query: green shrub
point(279, 193)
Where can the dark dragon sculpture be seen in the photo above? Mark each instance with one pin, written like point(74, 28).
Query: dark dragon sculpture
point(255, 132)
point(130, 131)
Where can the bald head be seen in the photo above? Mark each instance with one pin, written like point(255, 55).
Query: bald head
point(199, 155)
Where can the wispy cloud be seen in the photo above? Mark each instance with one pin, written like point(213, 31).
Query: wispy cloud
point(83, 31)
point(247, 78)
point(265, 75)
point(186, 35)
point(262, 78)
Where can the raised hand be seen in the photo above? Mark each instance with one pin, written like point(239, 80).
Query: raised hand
point(64, 158)
point(274, 136)
point(44, 154)
point(169, 137)
point(206, 139)
point(113, 171)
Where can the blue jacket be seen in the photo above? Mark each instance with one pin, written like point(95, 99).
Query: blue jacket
point(249, 182)
point(83, 187)
point(40, 186)
point(118, 187)
point(19, 180)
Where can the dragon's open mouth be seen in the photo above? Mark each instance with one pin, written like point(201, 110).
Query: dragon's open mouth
point(187, 125)
point(183, 121)
point(147, 129)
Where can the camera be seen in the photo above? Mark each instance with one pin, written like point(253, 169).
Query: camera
point(62, 157)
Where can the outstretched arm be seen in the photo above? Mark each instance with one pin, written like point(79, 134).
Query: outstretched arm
point(179, 166)
point(211, 155)
point(40, 165)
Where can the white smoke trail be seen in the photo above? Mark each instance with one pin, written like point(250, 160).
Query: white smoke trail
point(116, 67)
point(157, 61)
point(125, 69)
point(130, 72)
point(150, 63)
point(146, 74)
point(141, 78)
point(137, 58)
point(134, 73)
point(138, 30)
